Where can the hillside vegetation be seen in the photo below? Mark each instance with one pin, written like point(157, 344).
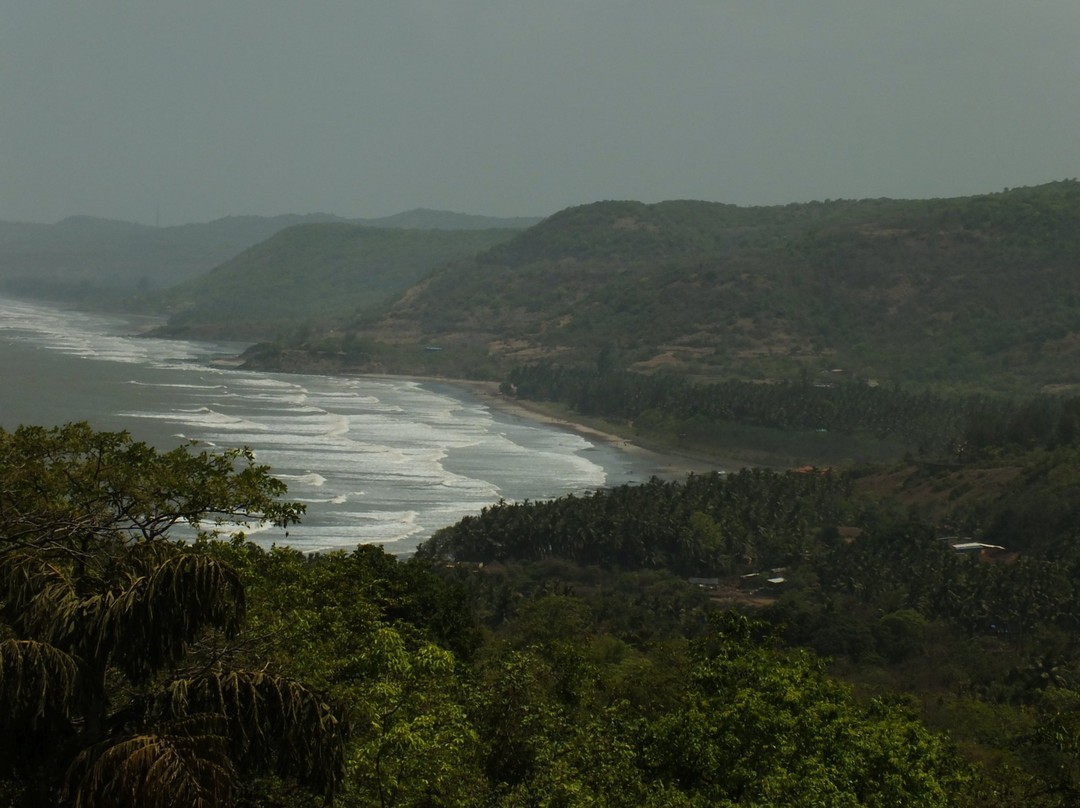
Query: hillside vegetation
point(976, 291)
point(314, 273)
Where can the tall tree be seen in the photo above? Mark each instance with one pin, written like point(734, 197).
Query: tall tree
point(117, 683)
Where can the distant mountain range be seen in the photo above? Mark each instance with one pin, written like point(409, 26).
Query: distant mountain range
point(101, 260)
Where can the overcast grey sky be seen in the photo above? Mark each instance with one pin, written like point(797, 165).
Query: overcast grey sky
point(200, 109)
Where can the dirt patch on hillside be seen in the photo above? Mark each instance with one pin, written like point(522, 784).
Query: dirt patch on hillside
point(630, 223)
point(934, 487)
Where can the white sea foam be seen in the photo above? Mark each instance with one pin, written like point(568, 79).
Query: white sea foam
point(223, 389)
point(340, 499)
point(203, 417)
point(379, 460)
point(310, 479)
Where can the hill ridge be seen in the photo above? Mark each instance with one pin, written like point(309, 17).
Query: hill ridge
point(945, 291)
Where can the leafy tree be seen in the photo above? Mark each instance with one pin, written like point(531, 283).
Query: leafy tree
point(118, 680)
point(759, 726)
point(899, 634)
point(415, 745)
point(336, 620)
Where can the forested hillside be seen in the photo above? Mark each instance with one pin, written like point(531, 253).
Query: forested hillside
point(975, 291)
point(314, 275)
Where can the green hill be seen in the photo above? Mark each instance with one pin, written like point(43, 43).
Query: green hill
point(968, 291)
point(314, 272)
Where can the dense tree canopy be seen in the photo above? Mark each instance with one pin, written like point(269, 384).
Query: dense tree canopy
point(119, 687)
point(578, 671)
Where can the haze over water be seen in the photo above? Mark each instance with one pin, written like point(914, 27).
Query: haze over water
point(377, 460)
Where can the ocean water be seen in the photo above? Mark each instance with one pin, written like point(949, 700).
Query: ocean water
point(376, 460)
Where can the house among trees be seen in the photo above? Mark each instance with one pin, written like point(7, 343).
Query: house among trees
point(978, 547)
point(705, 583)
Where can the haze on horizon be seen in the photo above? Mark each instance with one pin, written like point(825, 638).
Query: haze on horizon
point(186, 112)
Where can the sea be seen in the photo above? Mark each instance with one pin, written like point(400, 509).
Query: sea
point(376, 460)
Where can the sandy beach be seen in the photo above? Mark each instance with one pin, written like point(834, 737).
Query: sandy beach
point(669, 464)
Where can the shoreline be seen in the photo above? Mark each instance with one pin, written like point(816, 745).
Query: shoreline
point(668, 464)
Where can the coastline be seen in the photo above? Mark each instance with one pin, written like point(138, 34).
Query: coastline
point(667, 463)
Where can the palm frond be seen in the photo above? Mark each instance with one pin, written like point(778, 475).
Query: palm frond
point(143, 557)
point(185, 763)
point(37, 598)
point(275, 724)
point(153, 622)
point(39, 703)
point(38, 683)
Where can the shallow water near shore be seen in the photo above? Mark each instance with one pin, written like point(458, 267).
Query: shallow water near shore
point(379, 460)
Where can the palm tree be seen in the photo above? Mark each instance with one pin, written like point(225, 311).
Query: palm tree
point(108, 698)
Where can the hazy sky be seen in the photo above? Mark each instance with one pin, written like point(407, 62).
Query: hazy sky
point(190, 110)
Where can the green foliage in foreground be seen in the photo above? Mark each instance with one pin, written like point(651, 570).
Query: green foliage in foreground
point(116, 686)
point(782, 734)
point(549, 711)
point(140, 671)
